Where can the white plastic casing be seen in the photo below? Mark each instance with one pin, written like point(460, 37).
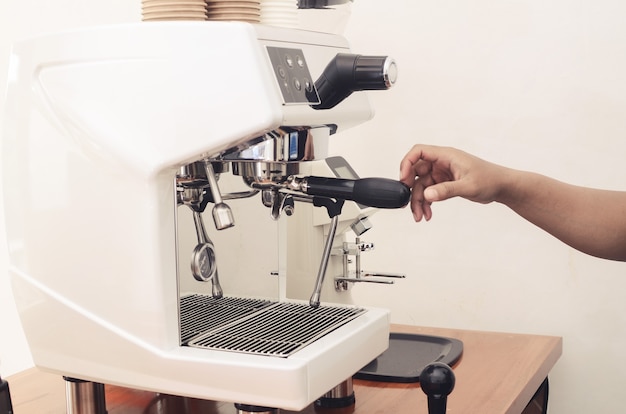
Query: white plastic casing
point(98, 123)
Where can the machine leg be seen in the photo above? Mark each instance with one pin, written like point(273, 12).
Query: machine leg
point(84, 397)
point(254, 409)
point(340, 396)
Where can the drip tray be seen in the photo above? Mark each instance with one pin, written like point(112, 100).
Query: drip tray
point(407, 356)
point(259, 327)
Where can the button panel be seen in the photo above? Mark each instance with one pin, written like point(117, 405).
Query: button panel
point(293, 76)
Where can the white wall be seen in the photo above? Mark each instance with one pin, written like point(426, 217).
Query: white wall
point(533, 84)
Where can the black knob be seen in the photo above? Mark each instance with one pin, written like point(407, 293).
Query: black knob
point(347, 73)
point(437, 381)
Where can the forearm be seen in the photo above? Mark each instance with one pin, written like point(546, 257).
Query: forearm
point(590, 220)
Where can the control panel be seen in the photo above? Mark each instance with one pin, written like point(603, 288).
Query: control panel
point(293, 76)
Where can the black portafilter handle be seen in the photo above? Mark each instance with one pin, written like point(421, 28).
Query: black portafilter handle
point(437, 381)
point(372, 192)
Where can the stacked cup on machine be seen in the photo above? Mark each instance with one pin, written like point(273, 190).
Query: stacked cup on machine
point(282, 13)
point(156, 10)
point(239, 10)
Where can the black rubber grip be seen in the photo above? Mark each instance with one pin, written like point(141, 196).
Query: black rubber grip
point(347, 73)
point(372, 192)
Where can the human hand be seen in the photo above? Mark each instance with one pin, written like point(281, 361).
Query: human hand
point(439, 173)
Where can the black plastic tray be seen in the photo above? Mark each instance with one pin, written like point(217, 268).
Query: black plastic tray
point(407, 356)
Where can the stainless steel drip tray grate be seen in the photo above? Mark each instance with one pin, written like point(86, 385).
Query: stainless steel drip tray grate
point(202, 313)
point(274, 329)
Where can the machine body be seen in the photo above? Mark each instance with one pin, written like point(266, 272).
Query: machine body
point(114, 143)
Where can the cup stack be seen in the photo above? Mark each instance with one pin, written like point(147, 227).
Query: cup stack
point(239, 10)
point(154, 10)
point(281, 13)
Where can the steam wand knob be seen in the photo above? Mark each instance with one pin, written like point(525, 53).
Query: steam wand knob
point(437, 381)
point(347, 73)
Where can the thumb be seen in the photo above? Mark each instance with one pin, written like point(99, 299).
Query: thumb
point(441, 191)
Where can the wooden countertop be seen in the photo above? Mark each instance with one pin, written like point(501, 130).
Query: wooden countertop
point(498, 373)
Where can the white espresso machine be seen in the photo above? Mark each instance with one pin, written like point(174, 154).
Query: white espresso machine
point(121, 141)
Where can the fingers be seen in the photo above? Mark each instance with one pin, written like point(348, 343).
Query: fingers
point(414, 172)
point(439, 173)
point(420, 206)
point(417, 170)
point(407, 172)
point(409, 163)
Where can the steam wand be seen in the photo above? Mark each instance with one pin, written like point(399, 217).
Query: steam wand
point(203, 262)
point(334, 210)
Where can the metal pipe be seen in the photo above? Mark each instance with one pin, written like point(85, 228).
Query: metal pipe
point(222, 214)
point(321, 273)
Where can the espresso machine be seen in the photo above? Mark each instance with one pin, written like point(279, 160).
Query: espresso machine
point(154, 176)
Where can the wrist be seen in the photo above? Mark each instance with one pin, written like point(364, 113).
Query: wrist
point(509, 188)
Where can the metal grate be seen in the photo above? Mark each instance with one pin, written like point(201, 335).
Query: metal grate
point(276, 329)
point(200, 313)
